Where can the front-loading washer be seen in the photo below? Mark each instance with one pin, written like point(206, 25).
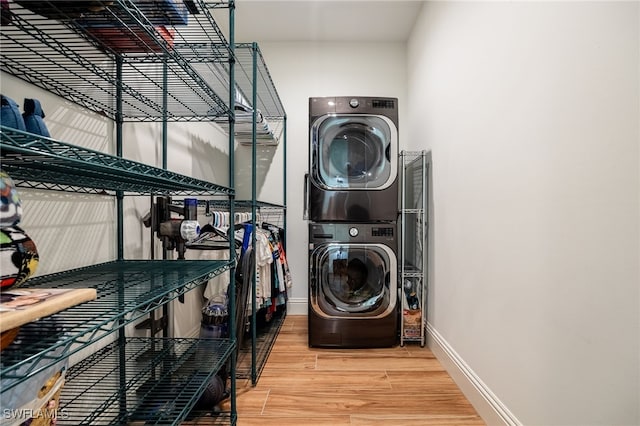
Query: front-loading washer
point(353, 164)
point(353, 285)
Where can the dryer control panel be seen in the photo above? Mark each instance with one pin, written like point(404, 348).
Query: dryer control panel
point(382, 232)
point(352, 233)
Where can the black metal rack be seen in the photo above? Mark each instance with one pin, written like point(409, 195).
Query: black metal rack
point(254, 83)
point(164, 378)
point(253, 358)
point(148, 77)
point(264, 97)
point(63, 57)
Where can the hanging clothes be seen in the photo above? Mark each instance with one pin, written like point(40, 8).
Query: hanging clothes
point(264, 259)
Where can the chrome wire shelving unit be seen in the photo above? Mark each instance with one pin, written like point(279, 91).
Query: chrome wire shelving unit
point(145, 70)
point(413, 251)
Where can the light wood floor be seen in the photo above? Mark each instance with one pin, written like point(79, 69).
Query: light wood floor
point(302, 386)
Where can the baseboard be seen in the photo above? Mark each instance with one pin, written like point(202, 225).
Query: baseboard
point(486, 403)
point(297, 306)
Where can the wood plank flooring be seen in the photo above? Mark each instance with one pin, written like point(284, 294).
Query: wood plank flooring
point(307, 386)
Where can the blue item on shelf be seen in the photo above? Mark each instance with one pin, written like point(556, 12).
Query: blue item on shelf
point(164, 12)
point(126, 35)
point(33, 118)
point(157, 12)
point(212, 331)
point(10, 203)
point(10, 114)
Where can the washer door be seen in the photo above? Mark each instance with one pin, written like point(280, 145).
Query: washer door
point(353, 280)
point(353, 152)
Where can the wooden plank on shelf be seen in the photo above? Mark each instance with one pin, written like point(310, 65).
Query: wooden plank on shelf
point(23, 305)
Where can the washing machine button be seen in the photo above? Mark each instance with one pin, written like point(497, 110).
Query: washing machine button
point(354, 103)
point(353, 232)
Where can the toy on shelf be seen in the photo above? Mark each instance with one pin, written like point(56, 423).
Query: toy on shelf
point(11, 206)
point(19, 260)
point(18, 253)
point(18, 257)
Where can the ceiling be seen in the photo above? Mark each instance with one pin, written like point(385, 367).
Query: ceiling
point(323, 20)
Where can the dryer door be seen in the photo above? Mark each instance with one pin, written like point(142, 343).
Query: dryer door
point(353, 152)
point(353, 280)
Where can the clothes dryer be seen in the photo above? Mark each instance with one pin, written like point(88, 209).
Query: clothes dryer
point(353, 159)
point(353, 285)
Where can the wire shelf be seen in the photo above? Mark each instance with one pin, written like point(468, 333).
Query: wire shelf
point(268, 100)
point(44, 163)
point(238, 204)
point(158, 383)
point(247, 204)
point(122, 63)
point(126, 291)
point(190, 72)
point(413, 272)
point(269, 110)
point(75, 57)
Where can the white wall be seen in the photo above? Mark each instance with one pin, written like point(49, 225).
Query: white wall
point(531, 113)
point(195, 149)
point(303, 70)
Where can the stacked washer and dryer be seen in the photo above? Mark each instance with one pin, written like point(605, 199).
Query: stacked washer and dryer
point(352, 196)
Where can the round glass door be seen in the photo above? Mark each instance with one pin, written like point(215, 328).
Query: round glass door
point(355, 279)
point(354, 151)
